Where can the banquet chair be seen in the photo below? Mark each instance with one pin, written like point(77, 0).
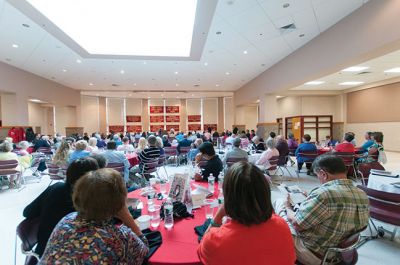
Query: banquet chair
point(161, 164)
point(309, 155)
point(120, 167)
point(56, 172)
point(46, 151)
point(348, 160)
point(282, 164)
point(232, 160)
point(8, 168)
point(273, 161)
point(149, 167)
point(27, 231)
point(184, 150)
point(384, 207)
point(170, 152)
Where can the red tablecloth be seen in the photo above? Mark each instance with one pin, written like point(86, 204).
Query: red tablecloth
point(324, 150)
point(30, 150)
point(133, 159)
point(180, 243)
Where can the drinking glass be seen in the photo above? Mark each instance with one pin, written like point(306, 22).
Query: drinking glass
point(163, 187)
point(209, 206)
point(154, 212)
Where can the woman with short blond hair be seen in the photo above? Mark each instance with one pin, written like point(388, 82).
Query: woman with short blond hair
point(80, 151)
point(91, 234)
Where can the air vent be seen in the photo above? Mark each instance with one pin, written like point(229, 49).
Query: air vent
point(290, 26)
point(364, 73)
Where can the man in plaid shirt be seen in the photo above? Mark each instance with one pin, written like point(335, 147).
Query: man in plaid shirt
point(330, 213)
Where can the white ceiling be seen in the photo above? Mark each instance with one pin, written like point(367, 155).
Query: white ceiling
point(374, 73)
point(245, 25)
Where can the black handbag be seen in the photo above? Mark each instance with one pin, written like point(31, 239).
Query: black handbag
point(179, 209)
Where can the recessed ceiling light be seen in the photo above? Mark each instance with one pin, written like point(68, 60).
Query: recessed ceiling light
point(205, 64)
point(144, 62)
point(91, 84)
point(34, 100)
point(78, 61)
point(176, 84)
point(355, 69)
point(64, 70)
point(351, 83)
point(285, 5)
point(15, 46)
point(140, 17)
point(227, 73)
point(393, 70)
point(176, 72)
point(134, 84)
point(122, 72)
point(244, 52)
point(258, 101)
point(217, 85)
point(25, 25)
point(314, 83)
point(278, 96)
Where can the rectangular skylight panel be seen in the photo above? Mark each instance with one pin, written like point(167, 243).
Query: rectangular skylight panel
point(125, 27)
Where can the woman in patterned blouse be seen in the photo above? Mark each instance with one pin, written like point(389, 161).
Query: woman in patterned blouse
point(92, 235)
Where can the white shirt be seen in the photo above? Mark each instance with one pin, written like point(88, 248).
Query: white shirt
point(266, 156)
point(125, 148)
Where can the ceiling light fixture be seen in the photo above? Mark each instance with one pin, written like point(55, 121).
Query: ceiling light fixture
point(355, 69)
point(244, 52)
point(205, 64)
point(78, 61)
point(393, 70)
point(176, 72)
point(144, 62)
point(15, 46)
point(35, 100)
point(166, 30)
point(314, 83)
point(176, 84)
point(64, 70)
point(91, 84)
point(217, 85)
point(227, 73)
point(122, 72)
point(351, 83)
point(134, 84)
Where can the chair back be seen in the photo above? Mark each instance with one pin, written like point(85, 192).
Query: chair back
point(169, 151)
point(282, 160)
point(150, 166)
point(202, 163)
point(347, 249)
point(273, 161)
point(161, 161)
point(45, 150)
point(384, 206)
point(27, 231)
point(348, 158)
point(56, 172)
point(184, 150)
point(120, 167)
point(8, 167)
point(232, 160)
point(292, 151)
point(309, 155)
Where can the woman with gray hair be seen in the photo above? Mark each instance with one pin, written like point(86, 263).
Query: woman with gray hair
point(80, 151)
point(258, 145)
point(271, 151)
point(5, 154)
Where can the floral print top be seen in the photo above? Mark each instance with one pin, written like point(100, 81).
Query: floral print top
point(78, 241)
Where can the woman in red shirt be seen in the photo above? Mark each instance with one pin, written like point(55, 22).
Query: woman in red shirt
point(255, 234)
point(346, 146)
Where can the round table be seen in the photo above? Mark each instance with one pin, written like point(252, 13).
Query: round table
point(323, 150)
point(383, 183)
point(254, 157)
point(132, 158)
point(180, 243)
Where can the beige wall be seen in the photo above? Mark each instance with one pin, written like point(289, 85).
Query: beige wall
point(210, 111)
point(38, 116)
point(247, 115)
point(228, 113)
point(90, 114)
point(24, 86)
point(115, 111)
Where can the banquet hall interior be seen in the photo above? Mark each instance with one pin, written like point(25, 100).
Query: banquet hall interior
point(213, 70)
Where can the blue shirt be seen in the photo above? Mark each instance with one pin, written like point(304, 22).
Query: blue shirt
point(367, 145)
point(113, 156)
point(304, 147)
point(179, 137)
point(192, 154)
point(77, 154)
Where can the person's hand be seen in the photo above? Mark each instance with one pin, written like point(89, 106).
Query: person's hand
point(198, 177)
point(125, 216)
point(198, 158)
point(220, 214)
point(287, 202)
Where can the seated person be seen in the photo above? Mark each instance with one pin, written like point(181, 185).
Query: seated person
point(62, 154)
point(271, 151)
point(191, 137)
point(346, 146)
point(329, 214)
point(292, 143)
point(376, 150)
point(5, 154)
point(43, 142)
point(258, 145)
point(56, 201)
point(213, 164)
point(80, 151)
point(368, 142)
point(101, 143)
point(195, 150)
point(179, 137)
point(329, 141)
point(24, 157)
point(92, 235)
point(255, 233)
point(232, 136)
point(125, 146)
point(244, 141)
point(305, 146)
point(114, 156)
point(282, 146)
point(146, 156)
point(117, 139)
point(166, 143)
point(142, 144)
point(159, 145)
point(236, 152)
point(272, 135)
point(92, 145)
point(183, 143)
point(354, 138)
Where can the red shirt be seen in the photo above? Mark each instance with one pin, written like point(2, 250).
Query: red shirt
point(234, 243)
point(345, 147)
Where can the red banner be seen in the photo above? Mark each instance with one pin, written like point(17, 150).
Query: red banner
point(133, 118)
point(173, 126)
point(156, 128)
point(116, 128)
point(194, 127)
point(172, 109)
point(155, 119)
point(134, 128)
point(172, 118)
point(212, 126)
point(156, 109)
point(194, 118)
